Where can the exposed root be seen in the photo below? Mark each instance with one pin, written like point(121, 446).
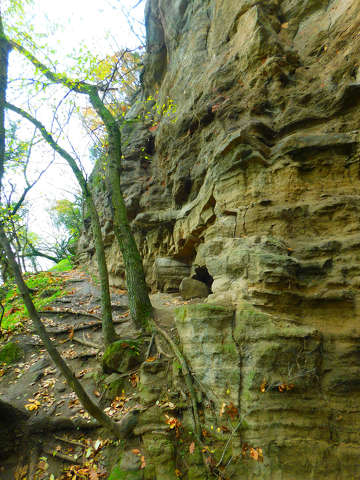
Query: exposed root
point(82, 327)
point(85, 342)
point(62, 456)
point(150, 428)
point(188, 380)
point(160, 349)
point(52, 424)
point(33, 460)
point(79, 313)
point(150, 345)
point(69, 441)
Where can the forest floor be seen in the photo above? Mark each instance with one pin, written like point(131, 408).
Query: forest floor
point(34, 385)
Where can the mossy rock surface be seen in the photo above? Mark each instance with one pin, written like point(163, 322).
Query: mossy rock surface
point(11, 353)
point(118, 474)
point(121, 356)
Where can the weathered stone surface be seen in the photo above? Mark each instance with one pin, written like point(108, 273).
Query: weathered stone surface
point(169, 273)
point(191, 288)
point(206, 333)
point(257, 181)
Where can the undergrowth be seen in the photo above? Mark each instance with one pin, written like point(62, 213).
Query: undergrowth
point(63, 266)
point(45, 287)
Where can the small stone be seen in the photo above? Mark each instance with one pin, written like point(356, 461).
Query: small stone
point(191, 288)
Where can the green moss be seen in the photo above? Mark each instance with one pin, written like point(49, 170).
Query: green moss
point(230, 348)
point(11, 353)
point(121, 356)
point(118, 474)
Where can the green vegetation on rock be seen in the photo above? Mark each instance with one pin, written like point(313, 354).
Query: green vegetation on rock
point(121, 356)
point(118, 474)
point(11, 353)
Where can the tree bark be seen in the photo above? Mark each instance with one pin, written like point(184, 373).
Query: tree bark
point(139, 301)
point(4, 57)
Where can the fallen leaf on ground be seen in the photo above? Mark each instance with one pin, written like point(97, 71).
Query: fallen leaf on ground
point(93, 475)
point(232, 411)
point(151, 359)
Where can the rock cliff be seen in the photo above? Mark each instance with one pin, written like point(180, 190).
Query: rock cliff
point(252, 187)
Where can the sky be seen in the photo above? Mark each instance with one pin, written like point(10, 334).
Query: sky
point(68, 28)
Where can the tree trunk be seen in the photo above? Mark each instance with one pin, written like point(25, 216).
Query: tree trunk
point(4, 56)
point(139, 301)
point(72, 381)
point(108, 329)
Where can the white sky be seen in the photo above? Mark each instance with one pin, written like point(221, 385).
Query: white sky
point(67, 25)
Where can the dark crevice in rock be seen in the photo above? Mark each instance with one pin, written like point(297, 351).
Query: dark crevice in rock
point(202, 275)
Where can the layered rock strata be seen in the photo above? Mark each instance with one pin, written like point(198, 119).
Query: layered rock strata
point(255, 180)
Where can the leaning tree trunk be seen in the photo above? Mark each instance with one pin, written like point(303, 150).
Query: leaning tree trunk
point(4, 56)
point(71, 380)
point(108, 330)
point(139, 301)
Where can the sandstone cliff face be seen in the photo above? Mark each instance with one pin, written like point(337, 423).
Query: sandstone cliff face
point(255, 186)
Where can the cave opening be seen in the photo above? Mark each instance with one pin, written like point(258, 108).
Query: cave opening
point(202, 275)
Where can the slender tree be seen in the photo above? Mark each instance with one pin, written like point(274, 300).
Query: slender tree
point(4, 57)
point(139, 301)
point(109, 334)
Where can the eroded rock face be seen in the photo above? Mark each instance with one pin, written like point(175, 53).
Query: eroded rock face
point(257, 181)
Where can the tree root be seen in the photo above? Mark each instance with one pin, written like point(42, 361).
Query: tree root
point(150, 428)
point(189, 383)
point(160, 349)
point(62, 456)
point(188, 380)
point(69, 441)
point(81, 327)
point(80, 313)
point(33, 460)
point(53, 424)
point(85, 342)
point(150, 345)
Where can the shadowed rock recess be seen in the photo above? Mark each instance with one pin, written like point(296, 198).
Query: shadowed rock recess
point(253, 187)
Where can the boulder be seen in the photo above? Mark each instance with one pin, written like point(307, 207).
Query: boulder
point(191, 288)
